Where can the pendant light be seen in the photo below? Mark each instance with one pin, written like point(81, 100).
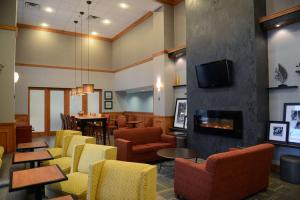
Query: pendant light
point(88, 88)
point(74, 90)
point(79, 89)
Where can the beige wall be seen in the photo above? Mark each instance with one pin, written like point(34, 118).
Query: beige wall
point(8, 10)
point(278, 5)
point(135, 45)
point(179, 24)
point(40, 47)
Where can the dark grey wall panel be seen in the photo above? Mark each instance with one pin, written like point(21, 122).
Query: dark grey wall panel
point(218, 29)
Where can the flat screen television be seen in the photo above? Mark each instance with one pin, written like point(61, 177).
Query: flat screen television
point(214, 74)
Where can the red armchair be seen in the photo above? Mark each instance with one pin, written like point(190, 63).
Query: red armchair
point(141, 144)
point(231, 175)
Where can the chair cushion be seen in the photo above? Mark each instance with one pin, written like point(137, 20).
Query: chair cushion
point(76, 185)
point(64, 163)
point(55, 152)
point(150, 147)
point(92, 153)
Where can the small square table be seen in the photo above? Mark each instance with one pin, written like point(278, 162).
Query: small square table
point(36, 178)
point(30, 146)
point(31, 157)
point(134, 123)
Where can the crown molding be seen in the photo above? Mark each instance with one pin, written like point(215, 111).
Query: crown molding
point(170, 2)
point(69, 33)
point(133, 25)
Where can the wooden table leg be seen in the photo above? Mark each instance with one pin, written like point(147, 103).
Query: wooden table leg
point(104, 131)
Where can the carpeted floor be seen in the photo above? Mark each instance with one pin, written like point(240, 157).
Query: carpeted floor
point(278, 190)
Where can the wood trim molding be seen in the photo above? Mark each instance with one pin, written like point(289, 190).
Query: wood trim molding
point(107, 70)
point(66, 101)
point(170, 2)
point(69, 33)
point(8, 136)
point(279, 14)
point(22, 119)
point(133, 25)
point(9, 28)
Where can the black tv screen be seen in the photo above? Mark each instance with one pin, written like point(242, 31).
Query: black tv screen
point(214, 74)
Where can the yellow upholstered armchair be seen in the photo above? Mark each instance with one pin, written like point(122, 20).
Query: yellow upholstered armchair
point(1, 154)
point(56, 151)
point(77, 182)
point(111, 180)
point(69, 142)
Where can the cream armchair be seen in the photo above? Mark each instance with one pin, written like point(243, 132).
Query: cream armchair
point(77, 182)
point(69, 142)
point(56, 151)
point(111, 180)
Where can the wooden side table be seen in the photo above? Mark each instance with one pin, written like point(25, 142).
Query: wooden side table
point(30, 146)
point(31, 157)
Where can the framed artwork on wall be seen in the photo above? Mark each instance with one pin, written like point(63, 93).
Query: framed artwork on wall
point(108, 105)
point(291, 114)
point(180, 112)
point(278, 131)
point(108, 95)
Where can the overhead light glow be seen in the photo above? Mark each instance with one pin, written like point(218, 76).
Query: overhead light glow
point(16, 77)
point(94, 33)
point(106, 21)
point(49, 9)
point(124, 5)
point(277, 25)
point(44, 24)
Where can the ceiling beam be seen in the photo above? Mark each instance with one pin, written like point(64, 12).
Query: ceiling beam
point(170, 2)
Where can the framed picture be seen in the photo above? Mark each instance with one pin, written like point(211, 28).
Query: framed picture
point(180, 112)
point(108, 105)
point(108, 95)
point(185, 122)
point(291, 114)
point(278, 131)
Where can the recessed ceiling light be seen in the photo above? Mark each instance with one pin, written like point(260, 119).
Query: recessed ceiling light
point(94, 33)
point(277, 25)
point(106, 21)
point(124, 5)
point(44, 24)
point(49, 9)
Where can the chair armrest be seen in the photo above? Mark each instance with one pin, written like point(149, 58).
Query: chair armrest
point(191, 179)
point(124, 148)
point(234, 148)
point(169, 139)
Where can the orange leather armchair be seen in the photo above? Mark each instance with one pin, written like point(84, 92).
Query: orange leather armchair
point(231, 175)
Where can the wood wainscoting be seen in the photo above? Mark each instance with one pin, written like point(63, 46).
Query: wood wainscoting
point(8, 136)
point(165, 122)
point(22, 119)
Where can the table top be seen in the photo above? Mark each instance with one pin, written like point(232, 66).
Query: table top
point(31, 156)
point(134, 122)
point(32, 145)
point(172, 153)
point(89, 117)
point(68, 197)
point(35, 177)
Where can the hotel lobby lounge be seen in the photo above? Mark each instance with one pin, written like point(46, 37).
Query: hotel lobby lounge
point(149, 99)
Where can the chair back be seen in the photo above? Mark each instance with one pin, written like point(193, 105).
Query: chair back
point(63, 121)
point(121, 121)
point(140, 135)
point(1, 151)
point(112, 179)
point(59, 136)
point(247, 169)
point(86, 154)
point(70, 141)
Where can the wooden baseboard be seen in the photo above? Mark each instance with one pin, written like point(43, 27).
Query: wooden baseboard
point(8, 136)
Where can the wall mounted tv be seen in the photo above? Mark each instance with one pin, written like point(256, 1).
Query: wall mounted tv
point(214, 74)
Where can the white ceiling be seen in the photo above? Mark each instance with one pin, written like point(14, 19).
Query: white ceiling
point(66, 11)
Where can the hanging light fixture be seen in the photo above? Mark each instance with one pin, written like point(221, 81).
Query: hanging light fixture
point(88, 88)
point(79, 89)
point(74, 90)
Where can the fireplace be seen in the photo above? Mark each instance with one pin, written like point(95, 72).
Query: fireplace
point(225, 123)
